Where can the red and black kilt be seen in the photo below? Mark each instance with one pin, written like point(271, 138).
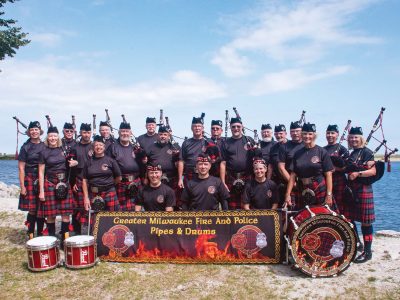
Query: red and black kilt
point(30, 200)
point(362, 209)
point(110, 199)
point(236, 200)
point(52, 207)
point(126, 203)
point(318, 186)
point(79, 200)
point(339, 181)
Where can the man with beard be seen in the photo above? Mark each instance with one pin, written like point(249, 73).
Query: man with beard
point(105, 133)
point(237, 153)
point(150, 137)
point(84, 152)
point(124, 152)
point(267, 141)
point(204, 192)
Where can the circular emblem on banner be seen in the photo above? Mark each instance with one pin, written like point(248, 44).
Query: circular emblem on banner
point(160, 199)
point(249, 240)
point(211, 189)
point(315, 159)
point(323, 245)
point(104, 167)
point(169, 151)
point(269, 193)
point(238, 240)
point(118, 238)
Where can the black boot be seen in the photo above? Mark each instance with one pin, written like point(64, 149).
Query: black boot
point(31, 222)
point(52, 229)
point(363, 257)
point(39, 226)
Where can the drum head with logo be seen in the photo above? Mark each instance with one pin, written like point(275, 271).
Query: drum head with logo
point(324, 245)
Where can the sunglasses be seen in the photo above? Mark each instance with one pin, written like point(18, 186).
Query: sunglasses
point(69, 130)
point(215, 128)
point(236, 126)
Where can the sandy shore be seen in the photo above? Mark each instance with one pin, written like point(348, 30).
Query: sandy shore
point(381, 275)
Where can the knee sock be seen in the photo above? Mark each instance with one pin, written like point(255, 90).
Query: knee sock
point(64, 229)
point(31, 219)
point(39, 226)
point(52, 229)
point(76, 224)
point(367, 232)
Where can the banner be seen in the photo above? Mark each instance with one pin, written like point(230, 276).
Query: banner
point(252, 236)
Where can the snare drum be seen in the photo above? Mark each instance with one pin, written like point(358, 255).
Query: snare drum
point(80, 252)
point(322, 243)
point(43, 253)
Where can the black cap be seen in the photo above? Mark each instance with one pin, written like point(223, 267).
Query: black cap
point(333, 127)
point(163, 128)
point(279, 128)
point(98, 138)
point(236, 120)
point(104, 123)
point(295, 125)
point(356, 131)
point(34, 124)
point(309, 127)
point(85, 127)
point(68, 125)
point(265, 126)
point(125, 125)
point(216, 122)
point(52, 129)
point(150, 120)
point(153, 166)
point(197, 120)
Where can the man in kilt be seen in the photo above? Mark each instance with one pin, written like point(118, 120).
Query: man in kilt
point(360, 165)
point(68, 140)
point(147, 139)
point(339, 155)
point(100, 175)
point(105, 133)
point(28, 161)
point(311, 167)
point(124, 152)
point(236, 165)
point(213, 149)
point(84, 153)
point(55, 195)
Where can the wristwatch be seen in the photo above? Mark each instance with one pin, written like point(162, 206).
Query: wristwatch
point(360, 174)
point(329, 193)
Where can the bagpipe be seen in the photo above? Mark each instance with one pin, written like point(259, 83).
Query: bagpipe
point(357, 165)
point(19, 122)
point(94, 126)
point(302, 118)
point(136, 146)
point(252, 145)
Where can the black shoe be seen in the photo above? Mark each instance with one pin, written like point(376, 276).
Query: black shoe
point(363, 257)
point(360, 247)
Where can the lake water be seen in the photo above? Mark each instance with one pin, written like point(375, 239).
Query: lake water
point(386, 192)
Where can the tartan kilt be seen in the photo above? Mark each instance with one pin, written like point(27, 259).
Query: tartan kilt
point(78, 197)
point(52, 207)
point(110, 199)
point(29, 202)
point(362, 210)
point(126, 203)
point(236, 200)
point(319, 188)
point(339, 182)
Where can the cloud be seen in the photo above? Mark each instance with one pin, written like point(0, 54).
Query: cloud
point(42, 86)
point(292, 79)
point(300, 33)
point(50, 39)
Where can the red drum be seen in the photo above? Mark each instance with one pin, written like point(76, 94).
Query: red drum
point(322, 243)
point(80, 252)
point(43, 253)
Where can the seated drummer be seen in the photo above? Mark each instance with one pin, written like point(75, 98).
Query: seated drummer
point(155, 196)
point(100, 175)
point(312, 166)
point(260, 192)
point(205, 192)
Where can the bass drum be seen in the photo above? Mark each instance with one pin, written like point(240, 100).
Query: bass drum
point(322, 243)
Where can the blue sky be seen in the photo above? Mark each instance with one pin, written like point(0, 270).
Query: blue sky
point(337, 60)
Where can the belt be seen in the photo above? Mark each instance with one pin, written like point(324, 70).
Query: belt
point(99, 189)
point(310, 180)
point(129, 177)
point(59, 176)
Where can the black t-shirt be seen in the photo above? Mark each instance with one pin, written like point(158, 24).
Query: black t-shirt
point(287, 151)
point(311, 162)
point(204, 194)
point(30, 154)
point(261, 195)
point(274, 158)
point(366, 155)
point(342, 152)
point(236, 155)
point(191, 148)
point(266, 149)
point(156, 198)
point(218, 142)
point(68, 143)
point(125, 157)
point(101, 171)
point(165, 155)
point(84, 152)
point(54, 160)
point(145, 141)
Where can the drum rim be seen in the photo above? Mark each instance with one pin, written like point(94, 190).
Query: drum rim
point(71, 243)
point(48, 246)
point(80, 266)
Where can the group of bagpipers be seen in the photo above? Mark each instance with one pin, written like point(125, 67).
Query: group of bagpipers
point(81, 171)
